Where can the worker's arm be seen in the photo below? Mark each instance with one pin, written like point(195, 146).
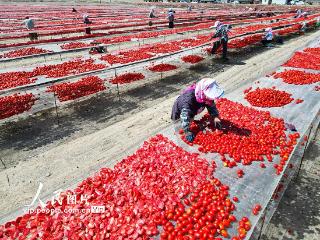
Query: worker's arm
point(214, 113)
point(185, 124)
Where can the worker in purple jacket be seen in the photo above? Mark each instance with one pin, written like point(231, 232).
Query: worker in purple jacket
point(193, 101)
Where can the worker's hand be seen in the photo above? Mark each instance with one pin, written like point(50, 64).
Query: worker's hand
point(217, 122)
point(189, 136)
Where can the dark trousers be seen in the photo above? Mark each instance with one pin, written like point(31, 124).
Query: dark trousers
point(265, 42)
point(224, 44)
point(33, 36)
point(171, 24)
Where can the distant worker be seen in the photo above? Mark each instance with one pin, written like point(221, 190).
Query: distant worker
point(171, 19)
point(267, 38)
point(193, 101)
point(298, 13)
point(222, 33)
point(151, 13)
point(85, 18)
point(99, 48)
point(303, 28)
point(189, 8)
point(29, 23)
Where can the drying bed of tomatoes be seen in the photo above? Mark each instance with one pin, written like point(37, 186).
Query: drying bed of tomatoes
point(73, 45)
point(68, 68)
point(15, 104)
point(23, 52)
point(192, 59)
point(81, 88)
point(163, 67)
point(127, 78)
point(307, 60)
point(14, 79)
point(298, 77)
point(246, 135)
point(139, 195)
point(268, 97)
point(245, 41)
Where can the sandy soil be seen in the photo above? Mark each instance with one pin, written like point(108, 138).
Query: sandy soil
point(62, 163)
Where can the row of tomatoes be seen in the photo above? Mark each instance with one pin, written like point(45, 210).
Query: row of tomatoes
point(73, 45)
point(15, 104)
point(14, 79)
point(23, 52)
point(74, 90)
point(298, 77)
point(308, 59)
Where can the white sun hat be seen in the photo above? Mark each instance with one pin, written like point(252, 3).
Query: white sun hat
point(216, 24)
point(268, 29)
point(208, 87)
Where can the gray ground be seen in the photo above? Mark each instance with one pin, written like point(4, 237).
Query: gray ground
point(298, 215)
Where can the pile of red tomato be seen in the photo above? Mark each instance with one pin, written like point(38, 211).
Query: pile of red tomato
point(127, 78)
point(247, 135)
point(138, 196)
point(74, 90)
point(298, 77)
point(73, 45)
point(309, 59)
point(24, 52)
point(14, 79)
point(163, 67)
point(268, 97)
point(207, 215)
point(126, 57)
point(15, 104)
point(192, 59)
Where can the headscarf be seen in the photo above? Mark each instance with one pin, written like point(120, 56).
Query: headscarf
point(207, 90)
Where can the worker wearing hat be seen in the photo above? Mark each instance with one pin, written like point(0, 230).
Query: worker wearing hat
point(268, 37)
point(193, 100)
point(222, 33)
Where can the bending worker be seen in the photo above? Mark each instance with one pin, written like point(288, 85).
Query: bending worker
point(267, 38)
point(222, 33)
point(193, 101)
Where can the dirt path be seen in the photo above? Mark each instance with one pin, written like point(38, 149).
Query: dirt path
point(64, 164)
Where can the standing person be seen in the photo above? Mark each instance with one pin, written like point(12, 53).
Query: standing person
point(268, 37)
point(151, 13)
point(193, 101)
point(29, 23)
point(222, 33)
point(171, 18)
point(298, 13)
